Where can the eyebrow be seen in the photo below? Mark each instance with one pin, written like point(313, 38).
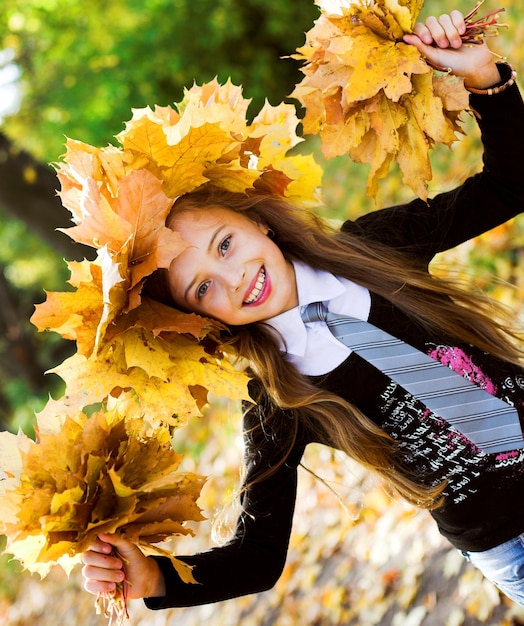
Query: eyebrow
point(209, 248)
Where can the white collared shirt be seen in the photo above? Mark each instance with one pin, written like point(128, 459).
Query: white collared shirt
point(312, 347)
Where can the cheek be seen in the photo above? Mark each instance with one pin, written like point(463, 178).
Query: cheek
point(214, 305)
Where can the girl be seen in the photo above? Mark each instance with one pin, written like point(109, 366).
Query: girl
point(255, 262)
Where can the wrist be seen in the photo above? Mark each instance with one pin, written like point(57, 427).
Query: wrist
point(488, 86)
point(483, 79)
point(157, 585)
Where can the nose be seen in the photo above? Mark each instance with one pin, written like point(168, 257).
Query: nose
point(234, 277)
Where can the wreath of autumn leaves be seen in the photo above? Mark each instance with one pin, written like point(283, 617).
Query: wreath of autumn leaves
point(119, 199)
point(102, 459)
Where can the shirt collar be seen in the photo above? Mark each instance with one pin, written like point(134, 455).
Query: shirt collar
point(312, 286)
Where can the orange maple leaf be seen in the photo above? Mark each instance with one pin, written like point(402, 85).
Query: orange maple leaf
point(83, 315)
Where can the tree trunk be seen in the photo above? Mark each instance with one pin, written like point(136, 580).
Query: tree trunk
point(28, 193)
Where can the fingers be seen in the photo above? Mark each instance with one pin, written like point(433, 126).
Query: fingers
point(103, 546)
point(458, 21)
point(102, 572)
point(106, 543)
point(103, 567)
point(444, 31)
point(111, 560)
point(439, 41)
point(101, 580)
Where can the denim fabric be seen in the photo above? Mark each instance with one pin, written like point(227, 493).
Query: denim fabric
point(503, 566)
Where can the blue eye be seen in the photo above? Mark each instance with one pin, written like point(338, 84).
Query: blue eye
point(224, 244)
point(202, 290)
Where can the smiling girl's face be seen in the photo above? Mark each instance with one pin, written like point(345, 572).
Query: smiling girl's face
point(232, 271)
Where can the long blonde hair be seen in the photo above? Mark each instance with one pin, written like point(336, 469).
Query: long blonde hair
point(435, 304)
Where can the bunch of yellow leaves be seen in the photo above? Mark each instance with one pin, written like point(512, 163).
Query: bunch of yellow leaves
point(369, 94)
point(119, 198)
point(86, 475)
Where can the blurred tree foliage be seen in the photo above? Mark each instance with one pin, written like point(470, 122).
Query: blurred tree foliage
point(85, 65)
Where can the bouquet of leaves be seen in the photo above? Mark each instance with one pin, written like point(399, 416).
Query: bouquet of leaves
point(94, 474)
point(372, 96)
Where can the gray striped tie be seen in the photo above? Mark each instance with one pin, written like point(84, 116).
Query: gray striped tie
point(490, 423)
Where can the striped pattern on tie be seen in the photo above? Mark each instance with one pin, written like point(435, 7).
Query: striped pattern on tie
point(489, 422)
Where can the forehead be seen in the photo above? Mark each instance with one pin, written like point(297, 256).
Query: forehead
point(188, 220)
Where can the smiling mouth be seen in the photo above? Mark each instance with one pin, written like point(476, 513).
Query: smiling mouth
point(258, 288)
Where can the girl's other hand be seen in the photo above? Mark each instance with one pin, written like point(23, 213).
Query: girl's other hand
point(103, 569)
point(439, 40)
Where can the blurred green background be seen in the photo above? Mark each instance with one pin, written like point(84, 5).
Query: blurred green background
point(76, 69)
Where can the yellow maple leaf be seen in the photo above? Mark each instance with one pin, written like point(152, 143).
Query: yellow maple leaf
point(142, 203)
point(208, 139)
point(176, 357)
point(382, 141)
point(134, 219)
point(213, 102)
point(406, 12)
point(379, 19)
point(100, 225)
point(276, 127)
point(413, 157)
point(428, 112)
point(75, 315)
point(148, 353)
point(181, 166)
point(218, 377)
point(380, 65)
point(91, 381)
point(83, 315)
point(157, 318)
point(52, 417)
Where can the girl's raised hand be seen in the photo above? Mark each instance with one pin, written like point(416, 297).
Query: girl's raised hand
point(439, 40)
point(103, 571)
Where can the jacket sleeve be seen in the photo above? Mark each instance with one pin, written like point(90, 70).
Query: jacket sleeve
point(484, 201)
point(254, 558)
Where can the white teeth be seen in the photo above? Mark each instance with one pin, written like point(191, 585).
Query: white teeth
point(257, 289)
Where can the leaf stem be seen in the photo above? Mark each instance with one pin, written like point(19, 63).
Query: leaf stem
point(481, 27)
